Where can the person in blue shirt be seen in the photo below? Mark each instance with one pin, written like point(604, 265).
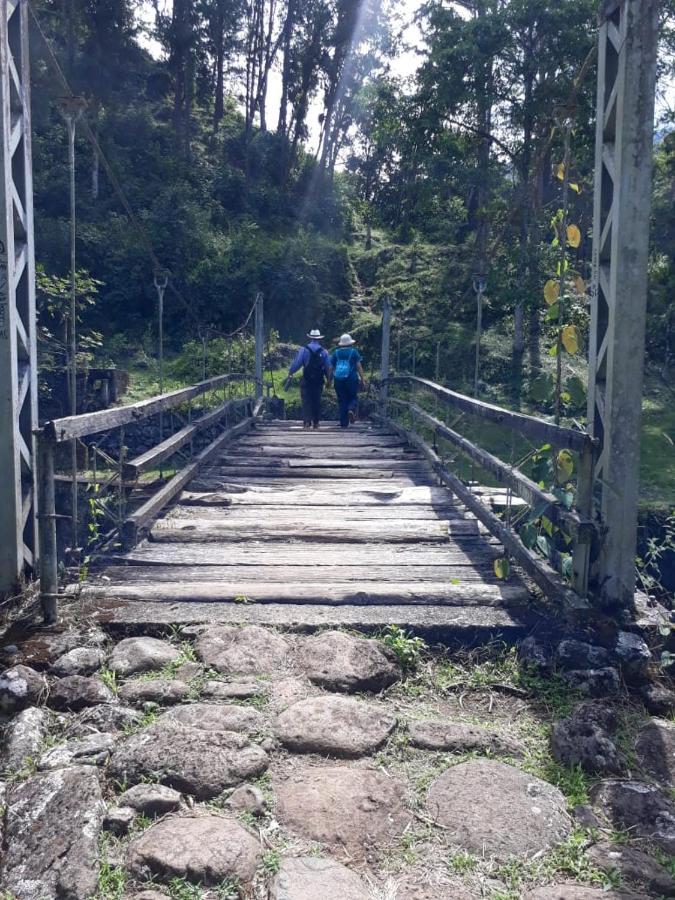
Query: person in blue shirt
point(315, 364)
point(347, 374)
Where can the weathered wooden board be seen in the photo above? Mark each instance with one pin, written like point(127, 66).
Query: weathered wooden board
point(264, 472)
point(260, 513)
point(310, 439)
point(344, 451)
point(432, 593)
point(284, 463)
point(219, 493)
point(320, 485)
point(310, 555)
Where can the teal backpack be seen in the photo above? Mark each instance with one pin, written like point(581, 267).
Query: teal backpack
point(343, 369)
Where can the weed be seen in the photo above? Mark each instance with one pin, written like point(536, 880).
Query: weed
point(667, 861)
point(141, 822)
point(571, 780)
point(407, 649)
point(271, 862)
point(148, 718)
point(111, 879)
point(230, 889)
point(462, 863)
point(109, 679)
point(182, 889)
point(242, 598)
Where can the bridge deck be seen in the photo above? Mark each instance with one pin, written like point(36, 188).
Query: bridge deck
point(288, 526)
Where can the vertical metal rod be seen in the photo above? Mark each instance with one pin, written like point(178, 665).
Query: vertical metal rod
point(414, 358)
point(47, 530)
point(479, 334)
point(398, 349)
point(581, 555)
point(259, 344)
point(438, 362)
point(384, 367)
point(70, 123)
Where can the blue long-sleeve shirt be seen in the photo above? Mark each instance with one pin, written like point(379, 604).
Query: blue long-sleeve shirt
point(302, 358)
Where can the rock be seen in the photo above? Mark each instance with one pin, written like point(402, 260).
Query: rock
point(21, 687)
point(458, 737)
point(643, 808)
point(310, 877)
point(572, 654)
point(189, 671)
point(493, 809)
point(251, 650)
point(80, 661)
point(231, 690)
point(52, 825)
point(633, 866)
point(191, 760)
point(154, 690)
point(633, 654)
point(340, 662)
point(142, 654)
point(594, 682)
point(204, 849)
point(76, 692)
point(247, 798)
point(119, 819)
point(356, 811)
point(579, 892)
point(655, 750)
point(659, 700)
point(23, 738)
point(151, 799)
point(90, 751)
point(583, 739)
point(586, 817)
point(107, 717)
point(283, 692)
point(215, 717)
point(533, 653)
point(192, 631)
point(45, 645)
point(334, 726)
point(150, 895)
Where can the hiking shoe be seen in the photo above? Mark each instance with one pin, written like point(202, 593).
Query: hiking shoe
point(352, 417)
point(315, 426)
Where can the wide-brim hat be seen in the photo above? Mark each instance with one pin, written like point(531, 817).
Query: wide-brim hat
point(315, 334)
point(346, 340)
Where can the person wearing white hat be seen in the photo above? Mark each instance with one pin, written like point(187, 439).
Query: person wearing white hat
point(347, 374)
point(315, 364)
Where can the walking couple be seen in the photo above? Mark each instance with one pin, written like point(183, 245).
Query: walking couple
point(343, 367)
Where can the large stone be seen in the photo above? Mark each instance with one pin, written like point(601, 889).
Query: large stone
point(633, 866)
point(247, 798)
point(77, 692)
point(533, 653)
point(90, 751)
point(579, 892)
point(53, 823)
point(142, 654)
point(572, 654)
point(204, 849)
point(119, 819)
point(215, 717)
point(659, 699)
point(334, 726)
point(45, 645)
point(594, 682)
point(493, 809)
point(106, 718)
point(191, 760)
point(23, 738)
point(633, 654)
point(311, 877)
point(643, 808)
point(356, 811)
point(458, 737)
point(246, 651)
point(20, 687)
point(340, 662)
point(80, 661)
point(151, 799)
point(655, 749)
point(231, 690)
point(163, 691)
point(584, 739)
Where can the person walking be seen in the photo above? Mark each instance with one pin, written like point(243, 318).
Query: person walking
point(315, 364)
point(347, 374)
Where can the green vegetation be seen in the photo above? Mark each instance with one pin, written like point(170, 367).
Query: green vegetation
point(408, 649)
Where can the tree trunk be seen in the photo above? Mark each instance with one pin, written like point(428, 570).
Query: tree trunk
point(218, 105)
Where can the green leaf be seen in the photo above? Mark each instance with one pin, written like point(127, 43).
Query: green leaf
point(567, 566)
point(544, 545)
point(576, 390)
point(502, 568)
point(528, 535)
point(541, 388)
point(564, 466)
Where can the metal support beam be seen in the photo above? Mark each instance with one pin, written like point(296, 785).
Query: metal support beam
point(623, 169)
point(18, 364)
point(259, 343)
point(386, 339)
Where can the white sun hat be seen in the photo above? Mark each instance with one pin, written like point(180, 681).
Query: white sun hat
point(315, 334)
point(346, 340)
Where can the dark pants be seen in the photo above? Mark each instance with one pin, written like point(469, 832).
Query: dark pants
point(347, 396)
point(310, 394)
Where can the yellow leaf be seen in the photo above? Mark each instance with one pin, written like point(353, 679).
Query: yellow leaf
point(502, 568)
point(579, 285)
point(575, 187)
point(573, 236)
point(570, 339)
point(559, 171)
point(551, 291)
point(564, 466)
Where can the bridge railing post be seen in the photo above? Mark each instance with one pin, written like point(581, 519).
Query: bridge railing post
point(386, 340)
point(259, 344)
point(581, 556)
point(47, 528)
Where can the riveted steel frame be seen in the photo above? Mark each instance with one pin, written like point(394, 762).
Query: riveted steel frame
point(627, 41)
point(18, 366)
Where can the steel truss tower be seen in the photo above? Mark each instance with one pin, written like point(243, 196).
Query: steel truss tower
point(18, 364)
point(627, 42)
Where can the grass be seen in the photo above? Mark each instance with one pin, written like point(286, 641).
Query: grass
point(657, 453)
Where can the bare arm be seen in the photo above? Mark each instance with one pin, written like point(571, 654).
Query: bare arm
point(362, 377)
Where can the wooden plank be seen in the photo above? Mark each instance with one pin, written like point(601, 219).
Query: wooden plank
point(149, 510)
point(220, 530)
point(212, 492)
point(320, 485)
point(286, 463)
point(238, 451)
point(537, 429)
point(432, 593)
point(476, 553)
point(284, 574)
point(255, 513)
point(316, 439)
point(523, 486)
point(172, 444)
point(297, 472)
point(541, 573)
point(105, 419)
